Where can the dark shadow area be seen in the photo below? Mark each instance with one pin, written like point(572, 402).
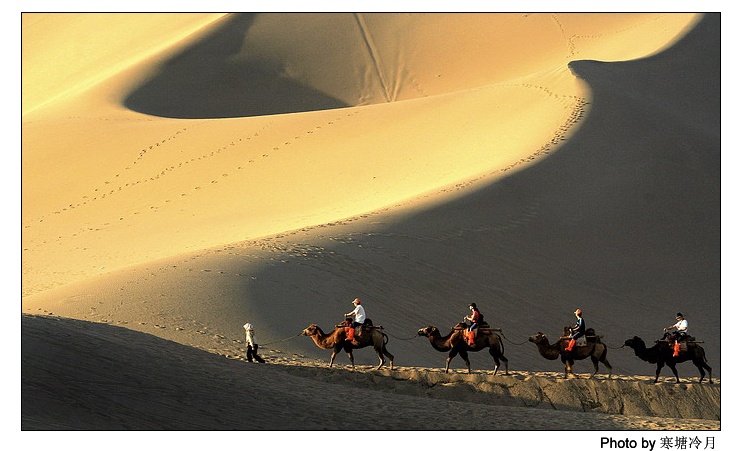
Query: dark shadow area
point(79, 375)
point(627, 228)
point(205, 81)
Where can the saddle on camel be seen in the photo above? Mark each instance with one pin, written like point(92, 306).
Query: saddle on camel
point(351, 331)
point(471, 335)
point(679, 344)
point(588, 339)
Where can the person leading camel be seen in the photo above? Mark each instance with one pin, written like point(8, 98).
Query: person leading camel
point(252, 345)
point(578, 330)
point(358, 315)
point(475, 318)
point(679, 331)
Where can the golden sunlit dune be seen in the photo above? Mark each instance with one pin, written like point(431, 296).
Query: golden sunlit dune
point(183, 174)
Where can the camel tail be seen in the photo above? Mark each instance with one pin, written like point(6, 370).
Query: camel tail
point(604, 354)
point(386, 338)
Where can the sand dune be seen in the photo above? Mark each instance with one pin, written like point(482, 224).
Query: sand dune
point(163, 385)
point(209, 170)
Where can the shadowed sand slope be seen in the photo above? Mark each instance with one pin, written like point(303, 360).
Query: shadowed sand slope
point(162, 385)
point(580, 168)
point(249, 66)
point(98, 178)
point(623, 222)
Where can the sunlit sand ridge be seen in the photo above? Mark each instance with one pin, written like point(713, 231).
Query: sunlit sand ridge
point(195, 171)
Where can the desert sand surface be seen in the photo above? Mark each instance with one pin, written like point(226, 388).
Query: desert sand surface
point(195, 172)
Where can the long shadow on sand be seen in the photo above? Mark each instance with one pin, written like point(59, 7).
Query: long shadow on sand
point(623, 221)
point(79, 375)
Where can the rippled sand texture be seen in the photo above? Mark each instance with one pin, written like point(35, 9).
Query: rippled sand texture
point(183, 174)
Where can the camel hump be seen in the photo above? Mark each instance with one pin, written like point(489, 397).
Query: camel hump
point(591, 336)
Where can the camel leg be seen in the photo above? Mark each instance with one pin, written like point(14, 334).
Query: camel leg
point(381, 362)
point(332, 356)
point(595, 364)
point(451, 355)
point(389, 356)
point(604, 360)
point(608, 365)
point(494, 353)
point(674, 371)
point(703, 374)
point(568, 369)
point(352, 361)
point(465, 355)
point(381, 358)
point(657, 373)
point(701, 366)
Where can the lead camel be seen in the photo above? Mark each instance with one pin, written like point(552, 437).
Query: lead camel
point(336, 340)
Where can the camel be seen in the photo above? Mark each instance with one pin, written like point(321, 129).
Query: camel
point(336, 340)
point(455, 343)
point(594, 349)
point(661, 354)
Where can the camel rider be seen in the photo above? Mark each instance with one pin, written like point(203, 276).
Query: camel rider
point(679, 332)
point(475, 318)
point(252, 346)
point(358, 315)
point(578, 330)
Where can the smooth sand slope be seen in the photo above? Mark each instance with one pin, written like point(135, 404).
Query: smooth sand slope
point(219, 170)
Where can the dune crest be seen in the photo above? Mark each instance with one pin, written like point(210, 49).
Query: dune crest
point(203, 171)
point(161, 183)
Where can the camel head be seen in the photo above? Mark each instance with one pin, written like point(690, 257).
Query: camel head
point(313, 329)
point(537, 338)
point(634, 343)
point(428, 331)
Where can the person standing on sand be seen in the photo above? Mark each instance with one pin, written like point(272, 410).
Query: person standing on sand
point(358, 314)
point(578, 330)
point(252, 345)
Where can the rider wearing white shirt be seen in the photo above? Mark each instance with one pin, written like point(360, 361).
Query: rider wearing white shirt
point(680, 328)
point(358, 313)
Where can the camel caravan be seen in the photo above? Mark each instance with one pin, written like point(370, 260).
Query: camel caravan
point(474, 334)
